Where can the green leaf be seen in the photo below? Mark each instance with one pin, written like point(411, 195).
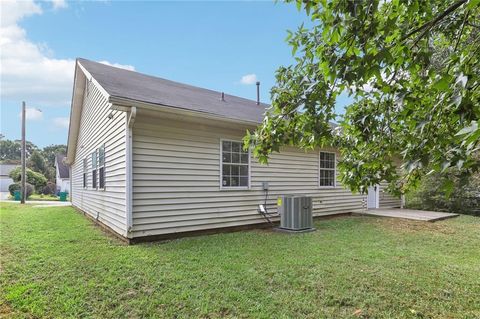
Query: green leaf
point(472, 4)
point(443, 83)
point(448, 187)
point(299, 5)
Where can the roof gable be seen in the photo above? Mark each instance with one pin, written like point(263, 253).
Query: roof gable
point(63, 170)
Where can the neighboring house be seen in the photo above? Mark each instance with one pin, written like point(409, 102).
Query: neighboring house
point(152, 157)
point(5, 180)
point(62, 174)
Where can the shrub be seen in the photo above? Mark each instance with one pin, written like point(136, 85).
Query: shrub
point(33, 178)
point(431, 195)
point(49, 189)
point(17, 187)
point(14, 187)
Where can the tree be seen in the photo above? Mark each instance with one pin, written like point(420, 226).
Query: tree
point(34, 178)
point(464, 197)
point(50, 151)
point(42, 161)
point(36, 162)
point(411, 69)
point(11, 151)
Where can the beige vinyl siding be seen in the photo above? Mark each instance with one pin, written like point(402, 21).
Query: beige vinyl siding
point(387, 200)
point(108, 205)
point(176, 180)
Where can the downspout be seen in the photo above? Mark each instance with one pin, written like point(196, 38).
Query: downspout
point(70, 184)
point(129, 168)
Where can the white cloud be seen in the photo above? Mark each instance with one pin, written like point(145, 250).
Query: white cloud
point(32, 114)
point(28, 71)
point(249, 79)
point(59, 4)
point(61, 122)
point(117, 65)
point(13, 11)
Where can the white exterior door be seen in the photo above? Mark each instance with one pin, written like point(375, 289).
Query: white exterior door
point(373, 196)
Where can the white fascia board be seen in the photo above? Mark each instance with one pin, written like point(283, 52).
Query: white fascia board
point(76, 108)
point(75, 111)
point(123, 104)
point(92, 79)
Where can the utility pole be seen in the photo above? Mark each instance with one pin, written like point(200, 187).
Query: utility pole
point(24, 157)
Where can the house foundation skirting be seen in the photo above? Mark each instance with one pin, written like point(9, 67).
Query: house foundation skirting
point(172, 236)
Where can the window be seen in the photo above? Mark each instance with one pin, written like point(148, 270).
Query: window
point(101, 166)
point(327, 169)
point(235, 165)
point(85, 173)
point(94, 169)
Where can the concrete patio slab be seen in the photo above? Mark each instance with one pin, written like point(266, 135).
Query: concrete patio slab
point(410, 214)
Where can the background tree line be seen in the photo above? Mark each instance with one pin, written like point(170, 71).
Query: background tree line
point(39, 160)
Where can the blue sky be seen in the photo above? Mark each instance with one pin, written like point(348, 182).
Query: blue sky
point(207, 44)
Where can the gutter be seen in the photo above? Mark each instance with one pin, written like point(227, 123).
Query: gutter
point(123, 104)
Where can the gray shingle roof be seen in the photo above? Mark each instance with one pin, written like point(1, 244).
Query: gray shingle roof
point(62, 168)
point(136, 86)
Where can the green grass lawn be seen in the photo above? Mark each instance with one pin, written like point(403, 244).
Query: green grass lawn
point(43, 197)
point(56, 264)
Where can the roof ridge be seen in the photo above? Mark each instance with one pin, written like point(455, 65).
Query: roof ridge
point(185, 85)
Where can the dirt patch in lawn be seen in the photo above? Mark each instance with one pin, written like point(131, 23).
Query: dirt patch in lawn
point(414, 226)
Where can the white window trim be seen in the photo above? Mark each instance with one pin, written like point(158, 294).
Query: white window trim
point(334, 169)
point(230, 188)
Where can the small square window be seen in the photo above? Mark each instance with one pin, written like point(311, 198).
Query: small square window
point(226, 181)
point(234, 181)
point(235, 170)
point(244, 181)
point(236, 147)
point(226, 157)
point(244, 158)
point(244, 170)
point(226, 146)
point(235, 158)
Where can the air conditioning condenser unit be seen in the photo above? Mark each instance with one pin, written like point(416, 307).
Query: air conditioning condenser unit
point(295, 213)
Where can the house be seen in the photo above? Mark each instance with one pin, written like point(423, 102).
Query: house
point(5, 180)
point(62, 174)
point(152, 158)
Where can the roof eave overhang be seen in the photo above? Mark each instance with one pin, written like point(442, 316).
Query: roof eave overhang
point(124, 104)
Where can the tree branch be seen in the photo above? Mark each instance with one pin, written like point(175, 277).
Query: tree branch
point(428, 25)
point(461, 31)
